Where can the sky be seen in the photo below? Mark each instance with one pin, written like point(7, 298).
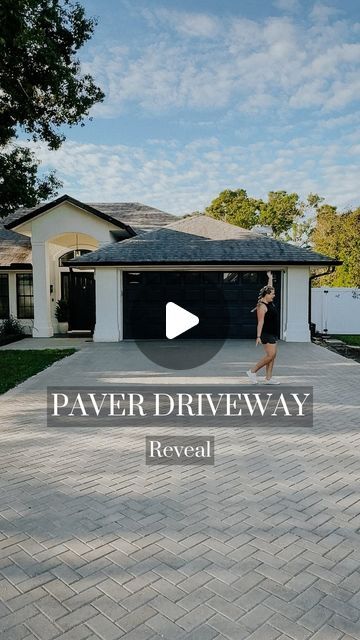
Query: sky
point(207, 95)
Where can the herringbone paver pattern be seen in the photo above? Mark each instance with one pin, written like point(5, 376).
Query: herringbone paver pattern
point(265, 545)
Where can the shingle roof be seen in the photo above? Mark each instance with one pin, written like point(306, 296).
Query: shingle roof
point(200, 239)
point(135, 214)
point(130, 214)
point(14, 248)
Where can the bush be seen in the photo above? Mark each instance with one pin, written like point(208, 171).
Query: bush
point(62, 310)
point(11, 327)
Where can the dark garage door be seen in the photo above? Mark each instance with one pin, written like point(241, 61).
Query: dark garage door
point(222, 300)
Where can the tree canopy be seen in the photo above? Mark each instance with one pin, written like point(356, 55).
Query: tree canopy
point(235, 207)
point(41, 89)
point(338, 235)
point(310, 223)
point(280, 211)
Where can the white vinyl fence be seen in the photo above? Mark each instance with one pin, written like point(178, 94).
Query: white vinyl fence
point(336, 309)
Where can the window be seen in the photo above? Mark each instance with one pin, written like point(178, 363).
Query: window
point(65, 285)
point(25, 295)
point(231, 278)
point(74, 253)
point(134, 277)
point(4, 295)
point(252, 277)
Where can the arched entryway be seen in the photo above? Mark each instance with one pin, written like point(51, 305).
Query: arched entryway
point(62, 226)
point(75, 288)
point(78, 290)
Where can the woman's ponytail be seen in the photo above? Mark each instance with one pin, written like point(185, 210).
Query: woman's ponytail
point(263, 292)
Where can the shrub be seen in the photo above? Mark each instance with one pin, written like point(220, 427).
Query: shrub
point(11, 327)
point(62, 310)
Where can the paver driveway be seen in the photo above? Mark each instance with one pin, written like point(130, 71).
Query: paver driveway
point(263, 545)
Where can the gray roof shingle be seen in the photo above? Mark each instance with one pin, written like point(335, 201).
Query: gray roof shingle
point(16, 247)
point(133, 214)
point(200, 239)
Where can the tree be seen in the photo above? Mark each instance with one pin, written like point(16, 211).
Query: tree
point(41, 89)
point(301, 228)
point(350, 250)
point(338, 235)
point(280, 211)
point(19, 184)
point(325, 237)
point(299, 233)
point(235, 207)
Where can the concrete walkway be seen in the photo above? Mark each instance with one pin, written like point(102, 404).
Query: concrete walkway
point(48, 343)
point(265, 545)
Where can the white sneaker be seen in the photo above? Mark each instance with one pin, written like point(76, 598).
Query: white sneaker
point(252, 376)
point(271, 381)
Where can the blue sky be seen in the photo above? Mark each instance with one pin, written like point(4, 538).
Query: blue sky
point(207, 95)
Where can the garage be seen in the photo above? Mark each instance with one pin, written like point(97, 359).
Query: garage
point(221, 299)
point(211, 269)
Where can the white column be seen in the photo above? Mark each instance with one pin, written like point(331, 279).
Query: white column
point(12, 294)
point(297, 324)
point(41, 278)
point(108, 294)
point(283, 305)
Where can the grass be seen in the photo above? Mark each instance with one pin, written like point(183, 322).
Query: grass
point(17, 365)
point(354, 340)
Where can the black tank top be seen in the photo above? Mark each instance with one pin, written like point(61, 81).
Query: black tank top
point(270, 319)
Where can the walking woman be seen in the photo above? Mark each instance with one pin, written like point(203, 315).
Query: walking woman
point(266, 334)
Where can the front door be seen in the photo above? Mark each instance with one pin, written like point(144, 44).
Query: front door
point(80, 286)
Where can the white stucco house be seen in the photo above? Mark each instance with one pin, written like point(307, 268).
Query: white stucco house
point(118, 264)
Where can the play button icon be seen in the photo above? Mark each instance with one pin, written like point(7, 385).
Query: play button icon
point(178, 320)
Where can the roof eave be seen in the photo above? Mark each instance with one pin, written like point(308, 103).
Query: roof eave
point(18, 266)
point(113, 263)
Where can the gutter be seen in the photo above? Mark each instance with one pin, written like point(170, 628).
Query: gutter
point(329, 270)
point(16, 266)
point(186, 263)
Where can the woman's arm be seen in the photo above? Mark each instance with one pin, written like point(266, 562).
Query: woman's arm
point(270, 278)
point(261, 310)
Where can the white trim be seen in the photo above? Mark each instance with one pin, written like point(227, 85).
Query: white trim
point(190, 267)
point(297, 305)
point(120, 308)
point(283, 306)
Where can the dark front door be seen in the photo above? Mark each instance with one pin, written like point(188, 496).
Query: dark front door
point(222, 301)
point(80, 290)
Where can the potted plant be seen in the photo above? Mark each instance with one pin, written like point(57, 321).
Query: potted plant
point(62, 315)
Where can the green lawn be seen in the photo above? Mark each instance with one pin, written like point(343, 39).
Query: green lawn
point(355, 340)
point(18, 365)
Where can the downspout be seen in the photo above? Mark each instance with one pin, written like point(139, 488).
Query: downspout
point(329, 270)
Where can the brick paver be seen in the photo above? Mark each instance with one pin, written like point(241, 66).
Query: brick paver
point(264, 545)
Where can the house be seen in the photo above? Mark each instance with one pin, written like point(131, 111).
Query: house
point(118, 264)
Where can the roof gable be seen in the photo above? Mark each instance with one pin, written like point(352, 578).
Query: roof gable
point(20, 217)
point(130, 216)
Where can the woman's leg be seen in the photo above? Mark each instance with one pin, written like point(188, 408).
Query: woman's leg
point(264, 362)
point(269, 366)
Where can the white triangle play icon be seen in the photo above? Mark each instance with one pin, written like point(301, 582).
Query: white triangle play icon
point(178, 320)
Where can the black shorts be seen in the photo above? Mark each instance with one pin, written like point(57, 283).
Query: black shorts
point(268, 338)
